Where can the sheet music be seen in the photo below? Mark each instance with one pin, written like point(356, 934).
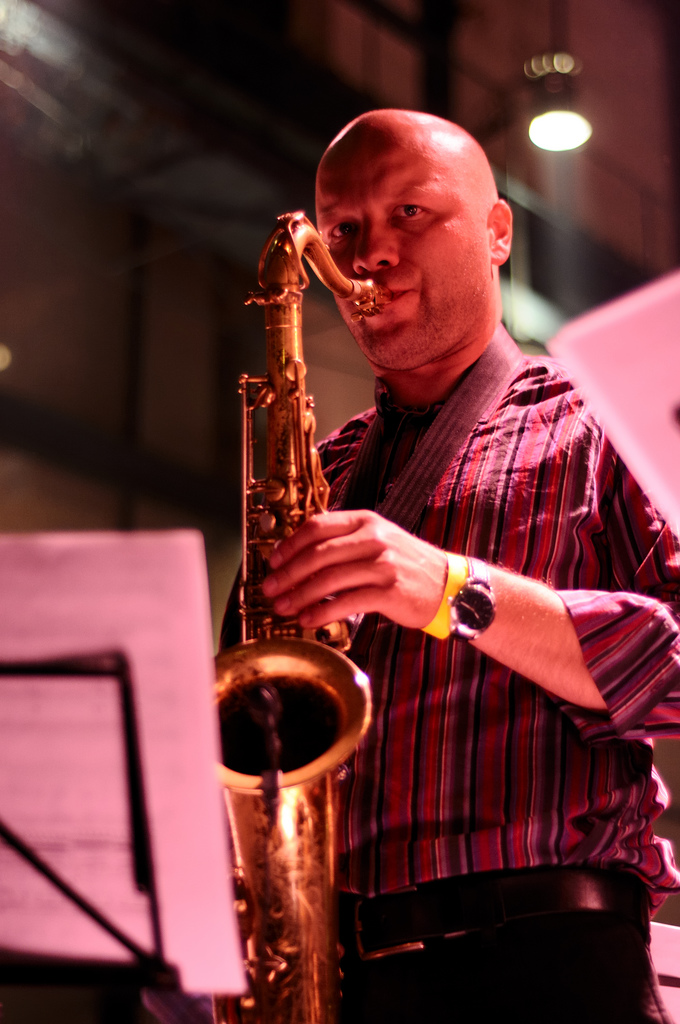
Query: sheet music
point(145, 595)
point(625, 355)
point(63, 786)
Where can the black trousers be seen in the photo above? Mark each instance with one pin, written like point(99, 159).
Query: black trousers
point(570, 968)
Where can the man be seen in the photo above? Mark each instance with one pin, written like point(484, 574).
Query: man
point(521, 635)
point(520, 632)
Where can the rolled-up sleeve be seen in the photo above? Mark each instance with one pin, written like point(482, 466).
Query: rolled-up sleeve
point(630, 636)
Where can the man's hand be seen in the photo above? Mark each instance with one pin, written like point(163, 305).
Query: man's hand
point(342, 563)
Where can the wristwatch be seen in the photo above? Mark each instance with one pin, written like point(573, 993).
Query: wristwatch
point(474, 606)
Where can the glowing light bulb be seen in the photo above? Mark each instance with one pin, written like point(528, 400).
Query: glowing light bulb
point(559, 130)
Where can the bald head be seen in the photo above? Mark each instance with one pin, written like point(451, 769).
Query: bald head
point(380, 131)
point(409, 200)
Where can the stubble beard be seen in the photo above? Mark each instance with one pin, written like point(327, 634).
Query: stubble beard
point(438, 331)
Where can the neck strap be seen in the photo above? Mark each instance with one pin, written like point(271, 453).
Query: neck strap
point(475, 393)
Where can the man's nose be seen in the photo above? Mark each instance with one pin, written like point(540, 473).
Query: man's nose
point(375, 250)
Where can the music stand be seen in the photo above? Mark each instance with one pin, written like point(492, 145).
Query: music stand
point(149, 969)
point(114, 865)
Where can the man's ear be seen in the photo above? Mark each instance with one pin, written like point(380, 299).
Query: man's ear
point(500, 232)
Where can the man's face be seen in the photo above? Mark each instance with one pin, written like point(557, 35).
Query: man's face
point(414, 216)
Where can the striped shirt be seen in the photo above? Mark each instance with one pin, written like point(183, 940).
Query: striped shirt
point(468, 766)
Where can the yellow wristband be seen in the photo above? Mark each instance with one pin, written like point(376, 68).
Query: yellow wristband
point(458, 573)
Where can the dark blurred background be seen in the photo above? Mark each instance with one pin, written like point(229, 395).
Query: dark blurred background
point(146, 147)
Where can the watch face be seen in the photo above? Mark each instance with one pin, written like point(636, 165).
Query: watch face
point(475, 607)
point(472, 610)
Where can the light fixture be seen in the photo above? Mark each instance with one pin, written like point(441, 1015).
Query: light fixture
point(556, 126)
point(559, 130)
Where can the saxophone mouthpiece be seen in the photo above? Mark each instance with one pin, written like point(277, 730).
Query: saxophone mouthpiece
point(369, 298)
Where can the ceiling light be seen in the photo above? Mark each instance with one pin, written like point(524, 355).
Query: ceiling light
point(556, 126)
point(559, 130)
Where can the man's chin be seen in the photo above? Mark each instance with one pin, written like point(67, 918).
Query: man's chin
point(381, 329)
point(376, 343)
point(389, 355)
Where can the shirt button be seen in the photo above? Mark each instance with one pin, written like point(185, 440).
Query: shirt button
point(343, 772)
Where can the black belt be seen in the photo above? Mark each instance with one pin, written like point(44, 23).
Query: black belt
point(405, 920)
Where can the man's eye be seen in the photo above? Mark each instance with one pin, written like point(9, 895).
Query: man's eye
point(410, 209)
point(340, 230)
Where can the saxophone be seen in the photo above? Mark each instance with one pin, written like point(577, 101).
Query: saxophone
point(292, 706)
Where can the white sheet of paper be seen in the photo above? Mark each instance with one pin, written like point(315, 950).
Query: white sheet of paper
point(626, 357)
point(665, 952)
point(62, 784)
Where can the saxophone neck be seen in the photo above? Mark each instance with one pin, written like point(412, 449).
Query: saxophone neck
point(282, 274)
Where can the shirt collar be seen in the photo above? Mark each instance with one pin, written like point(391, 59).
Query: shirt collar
point(387, 407)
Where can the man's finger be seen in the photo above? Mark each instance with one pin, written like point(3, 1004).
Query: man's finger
point(313, 532)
